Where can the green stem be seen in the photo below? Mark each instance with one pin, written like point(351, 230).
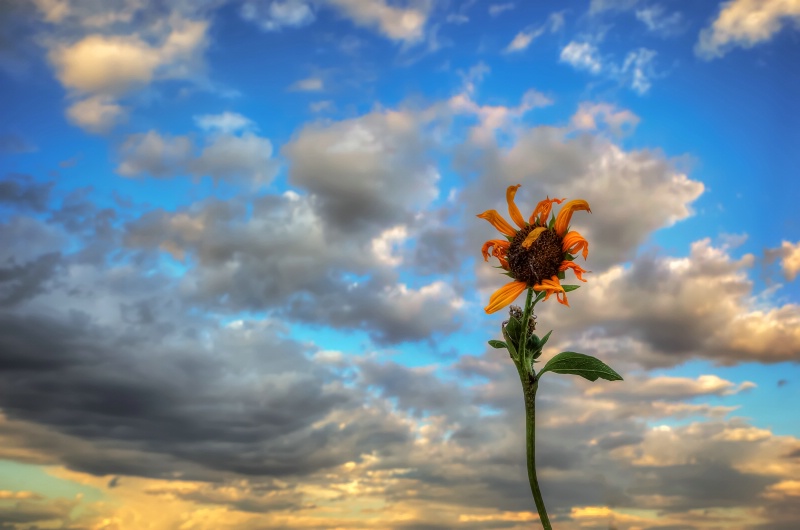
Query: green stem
point(529, 387)
point(530, 384)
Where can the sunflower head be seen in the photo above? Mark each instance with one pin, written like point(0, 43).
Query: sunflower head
point(537, 253)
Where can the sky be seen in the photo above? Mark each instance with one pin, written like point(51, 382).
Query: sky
point(241, 282)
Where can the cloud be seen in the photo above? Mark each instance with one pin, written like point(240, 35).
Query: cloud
point(96, 114)
point(524, 38)
point(224, 156)
point(15, 144)
point(583, 56)
point(789, 256)
point(373, 169)
point(657, 21)
point(590, 117)
point(225, 123)
point(22, 192)
point(310, 84)
point(599, 6)
point(498, 9)
point(98, 67)
point(638, 66)
point(700, 306)
point(113, 65)
point(396, 23)
point(277, 14)
point(637, 70)
point(745, 23)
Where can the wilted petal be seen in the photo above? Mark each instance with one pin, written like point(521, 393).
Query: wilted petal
point(565, 215)
point(504, 296)
point(498, 222)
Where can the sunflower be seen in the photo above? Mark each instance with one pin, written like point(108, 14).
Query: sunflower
point(538, 253)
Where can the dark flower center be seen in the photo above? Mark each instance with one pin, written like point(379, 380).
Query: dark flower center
point(538, 262)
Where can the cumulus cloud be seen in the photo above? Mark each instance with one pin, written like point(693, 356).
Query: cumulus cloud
point(310, 84)
point(583, 56)
point(96, 114)
point(113, 65)
point(498, 9)
point(277, 14)
point(226, 123)
point(745, 23)
point(698, 306)
point(523, 39)
point(397, 23)
point(372, 169)
point(789, 255)
point(225, 156)
point(591, 116)
point(98, 66)
point(656, 20)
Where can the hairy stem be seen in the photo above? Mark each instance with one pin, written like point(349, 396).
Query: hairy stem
point(529, 387)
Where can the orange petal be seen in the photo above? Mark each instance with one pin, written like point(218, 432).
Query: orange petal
point(533, 236)
point(498, 222)
point(574, 242)
point(565, 215)
point(499, 251)
point(553, 286)
point(542, 210)
point(513, 211)
point(575, 268)
point(504, 296)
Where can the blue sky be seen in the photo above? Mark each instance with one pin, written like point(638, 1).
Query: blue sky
point(240, 258)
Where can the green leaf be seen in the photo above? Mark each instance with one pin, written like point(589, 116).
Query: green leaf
point(539, 296)
point(497, 344)
point(586, 366)
point(569, 288)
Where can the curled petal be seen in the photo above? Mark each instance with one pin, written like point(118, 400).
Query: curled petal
point(575, 268)
point(542, 211)
point(499, 251)
point(533, 236)
point(498, 222)
point(565, 215)
point(504, 296)
point(552, 286)
point(513, 211)
point(574, 243)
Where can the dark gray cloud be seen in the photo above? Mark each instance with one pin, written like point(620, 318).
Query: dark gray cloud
point(23, 192)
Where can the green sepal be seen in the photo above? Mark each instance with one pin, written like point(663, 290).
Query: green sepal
point(552, 221)
point(568, 257)
point(560, 275)
point(539, 296)
point(499, 344)
point(586, 366)
point(569, 288)
point(509, 274)
point(544, 339)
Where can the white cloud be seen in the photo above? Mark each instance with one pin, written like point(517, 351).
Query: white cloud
point(522, 40)
point(745, 23)
point(96, 114)
point(223, 157)
point(655, 19)
point(498, 9)
point(789, 255)
point(396, 23)
point(598, 6)
point(320, 106)
point(226, 123)
point(639, 66)
point(589, 116)
point(583, 56)
point(277, 14)
point(113, 65)
point(310, 84)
